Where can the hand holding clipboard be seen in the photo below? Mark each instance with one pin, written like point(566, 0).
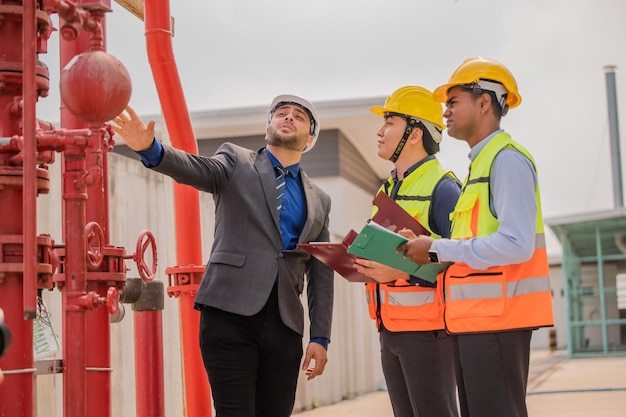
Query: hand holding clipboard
point(389, 219)
point(378, 240)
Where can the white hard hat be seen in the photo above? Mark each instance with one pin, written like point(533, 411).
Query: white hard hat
point(306, 105)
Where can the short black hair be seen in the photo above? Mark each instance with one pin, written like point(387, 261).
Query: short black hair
point(430, 145)
point(477, 92)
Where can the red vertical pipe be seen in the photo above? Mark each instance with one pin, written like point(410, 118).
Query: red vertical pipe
point(17, 394)
point(98, 344)
point(186, 199)
point(149, 392)
point(149, 386)
point(175, 113)
point(29, 191)
point(197, 389)
point(75, 387)
point(98, 200)
point(74, 323)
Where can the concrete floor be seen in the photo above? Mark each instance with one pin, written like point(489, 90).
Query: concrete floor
point(557, 387)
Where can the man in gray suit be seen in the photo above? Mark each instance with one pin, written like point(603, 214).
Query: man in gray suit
point(252, 318)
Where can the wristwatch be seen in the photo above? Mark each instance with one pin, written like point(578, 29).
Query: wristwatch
point(433, 256)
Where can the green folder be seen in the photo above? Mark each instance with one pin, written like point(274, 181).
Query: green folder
point(378, 244)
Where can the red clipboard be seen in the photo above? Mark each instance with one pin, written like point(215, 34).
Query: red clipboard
point(336, 256)
point(389, 215)
point(393, 217)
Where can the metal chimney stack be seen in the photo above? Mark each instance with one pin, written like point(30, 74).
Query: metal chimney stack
point(611, 95)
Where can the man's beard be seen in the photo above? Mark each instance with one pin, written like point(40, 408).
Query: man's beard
point(293, 141)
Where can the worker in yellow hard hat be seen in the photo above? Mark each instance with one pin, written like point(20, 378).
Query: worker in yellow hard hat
point(498, 289)
point(416, 352)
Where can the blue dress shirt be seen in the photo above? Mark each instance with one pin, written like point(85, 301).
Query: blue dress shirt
point(293, 213)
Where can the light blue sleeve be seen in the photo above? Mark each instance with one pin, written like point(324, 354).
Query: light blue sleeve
point(513, 181)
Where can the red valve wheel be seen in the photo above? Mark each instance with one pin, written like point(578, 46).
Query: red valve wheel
point(112, 300)
point(95, 244)
point(145, 240)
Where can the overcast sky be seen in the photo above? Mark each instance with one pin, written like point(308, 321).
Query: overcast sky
point(239, 53)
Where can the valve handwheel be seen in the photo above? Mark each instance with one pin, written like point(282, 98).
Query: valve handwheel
point(95, 244)
point(112, 300)
point(145, 240)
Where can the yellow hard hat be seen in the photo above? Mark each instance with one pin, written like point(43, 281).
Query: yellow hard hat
point(413, 101)
point(416, 102)
point(474, 70)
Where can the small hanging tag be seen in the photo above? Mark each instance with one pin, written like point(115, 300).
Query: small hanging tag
point(45, 341)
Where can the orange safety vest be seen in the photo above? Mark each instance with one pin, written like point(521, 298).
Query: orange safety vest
point(399, 305)
point(500, 298)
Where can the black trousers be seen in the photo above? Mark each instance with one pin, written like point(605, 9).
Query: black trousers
point(252, 362)
point(492, 373)
point(419, 372)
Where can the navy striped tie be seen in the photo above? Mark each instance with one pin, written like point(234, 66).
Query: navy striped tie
point(280, 187)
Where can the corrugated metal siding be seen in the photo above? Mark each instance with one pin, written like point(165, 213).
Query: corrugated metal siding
point(354, 168)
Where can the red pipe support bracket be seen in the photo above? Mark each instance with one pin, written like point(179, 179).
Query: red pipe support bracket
point(183, 280)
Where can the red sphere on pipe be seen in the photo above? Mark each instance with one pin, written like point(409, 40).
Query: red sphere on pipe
point(95, 86)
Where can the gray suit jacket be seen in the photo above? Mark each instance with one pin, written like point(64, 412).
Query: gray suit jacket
point(247, 250)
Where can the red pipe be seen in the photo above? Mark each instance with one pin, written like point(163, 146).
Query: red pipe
point(186, 199)
point(29, 191)
point(74, 291)
point(149, 386)
point(17, 294)
point(98, 343)
point(175, 113)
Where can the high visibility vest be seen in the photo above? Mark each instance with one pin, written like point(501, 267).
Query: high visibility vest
point(399, 305)
point(505, 297)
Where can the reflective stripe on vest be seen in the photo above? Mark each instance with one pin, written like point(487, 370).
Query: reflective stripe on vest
point(513, 289)
point(408, 299)
point(502, 297)
point(406, 307)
